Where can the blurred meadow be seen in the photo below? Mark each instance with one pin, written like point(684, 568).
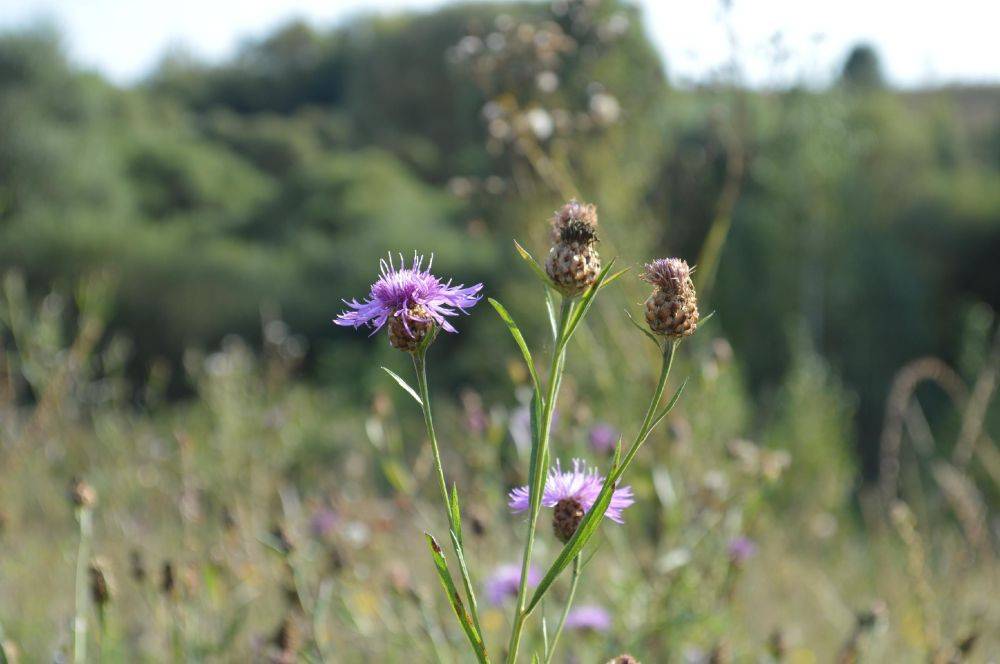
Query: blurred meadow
point(172, 253)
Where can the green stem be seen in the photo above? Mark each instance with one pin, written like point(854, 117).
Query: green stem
point(538, 462)
point(420, 364)
point(569, 603)
point(85, 517)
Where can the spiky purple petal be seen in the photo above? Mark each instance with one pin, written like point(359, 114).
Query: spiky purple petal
point(581, 484)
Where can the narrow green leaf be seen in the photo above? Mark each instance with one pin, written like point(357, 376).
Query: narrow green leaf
point(403, 384)
point(456, 513)
point(652, 337)
point(550, 306)
point(706, 319)
point(613, 277)
point(588, 526)
point(535, 266)
point(470, 592)
point(586, 300)
point(515, 332)
point(670, 406)
point(455, 599)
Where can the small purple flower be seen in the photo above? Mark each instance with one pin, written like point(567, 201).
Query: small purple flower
point(741, 549)
point(323, 522)
point(589, 617)
point(411, 294)
point(603, 438)
point(504, 582)
point(572, 494)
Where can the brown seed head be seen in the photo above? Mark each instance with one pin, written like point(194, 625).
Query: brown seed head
point(575, 222)
point(82, 494)
point(672, 308)
point(407, 335)
point(100, 586)
point(566, 517)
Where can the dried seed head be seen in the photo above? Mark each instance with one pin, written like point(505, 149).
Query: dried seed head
point(406, 332)
point(100, 586)
point(573, 267)
point(573, 262)
point(575, 222)
point(624, 658)
point(566, 517)
point(672, 308)
point(82, 494)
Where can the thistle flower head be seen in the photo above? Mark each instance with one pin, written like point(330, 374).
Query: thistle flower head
point(741, 549)
point(667, 273)
point(589, 617)
point(505, 580)
point(575, 222)
point(571, 494)
point(672, 309)
point(411, 300)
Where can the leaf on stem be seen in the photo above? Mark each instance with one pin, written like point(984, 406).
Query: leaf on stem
point(403, 384)
point(455, 599)
point(669, 407)
point(586, 300)
point(535, 266)
point(515, 332)
point(588, 526)
point(455, 513)
point(652, 337)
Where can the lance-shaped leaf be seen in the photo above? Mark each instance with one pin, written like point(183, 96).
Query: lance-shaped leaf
point(515, 332)
point(455, 599)
point(584, 531)
point(535, 266)
point(403, 384)
point(652, 337)
point(586, 300)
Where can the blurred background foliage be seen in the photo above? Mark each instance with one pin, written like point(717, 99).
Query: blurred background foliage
point(841, 234)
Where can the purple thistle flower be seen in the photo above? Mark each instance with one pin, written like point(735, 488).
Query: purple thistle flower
point(589, 617)
point(504, 582)
point(572, 494)
point(411, 294)
point(741, 549)
point(603, 438)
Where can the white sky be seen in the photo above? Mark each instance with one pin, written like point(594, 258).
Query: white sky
point(920, 41)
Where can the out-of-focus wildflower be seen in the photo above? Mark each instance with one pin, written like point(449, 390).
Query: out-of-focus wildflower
point(603, 438)
point(476, 419)
point(572, 494)
point(589, 617)
point(573, 262)
point(322, 522)
point(605, 109)
point(672, 309)
point(411, 301)
point(82, 494)
point(624, 658)
point(741, 549)
point(505, 580)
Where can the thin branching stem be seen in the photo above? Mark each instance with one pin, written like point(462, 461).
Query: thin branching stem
point(85, 517)
point(574, 580)
point(538, 461)
point(420, 364)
